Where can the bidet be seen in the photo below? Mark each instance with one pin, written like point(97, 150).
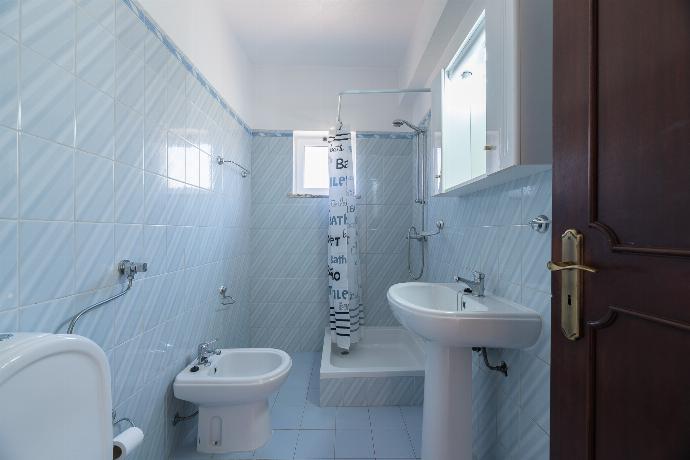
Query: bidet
point(231, 388)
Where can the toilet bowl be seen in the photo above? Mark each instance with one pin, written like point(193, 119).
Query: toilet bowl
point(232, 391)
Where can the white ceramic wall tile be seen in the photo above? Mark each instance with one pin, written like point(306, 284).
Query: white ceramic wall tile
point(46, 179)
point(47, 98)
point(48, 28)
point(8, 81)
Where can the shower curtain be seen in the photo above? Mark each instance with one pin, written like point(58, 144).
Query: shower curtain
point(346, 313)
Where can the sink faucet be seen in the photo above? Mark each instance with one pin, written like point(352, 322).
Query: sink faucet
point(476, 284)
point(204, 352)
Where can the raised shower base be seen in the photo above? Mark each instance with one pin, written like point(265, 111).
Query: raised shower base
point(386, 368)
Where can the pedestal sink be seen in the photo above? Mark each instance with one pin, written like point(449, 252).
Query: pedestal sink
point(452, 322)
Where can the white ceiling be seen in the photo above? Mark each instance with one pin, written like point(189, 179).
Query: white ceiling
point(323, 32)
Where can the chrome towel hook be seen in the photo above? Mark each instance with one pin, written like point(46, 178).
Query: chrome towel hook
point(224, 297)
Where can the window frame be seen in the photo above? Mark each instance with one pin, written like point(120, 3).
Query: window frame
point(301, 140)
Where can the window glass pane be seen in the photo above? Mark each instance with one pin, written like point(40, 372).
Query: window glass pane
point(316, 166)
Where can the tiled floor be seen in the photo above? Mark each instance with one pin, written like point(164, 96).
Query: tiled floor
point(302, 430)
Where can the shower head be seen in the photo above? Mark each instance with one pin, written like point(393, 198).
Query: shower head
point(399, 123)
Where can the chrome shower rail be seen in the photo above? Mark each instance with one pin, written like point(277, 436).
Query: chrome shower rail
point(245, 172)
point(376, 91)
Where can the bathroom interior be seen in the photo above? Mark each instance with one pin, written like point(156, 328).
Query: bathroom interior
point(344, 229)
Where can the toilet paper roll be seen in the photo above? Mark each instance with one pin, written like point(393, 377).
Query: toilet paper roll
point(125, 442)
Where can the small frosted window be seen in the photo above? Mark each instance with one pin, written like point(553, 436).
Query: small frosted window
point(310, 162)
point(316, 166)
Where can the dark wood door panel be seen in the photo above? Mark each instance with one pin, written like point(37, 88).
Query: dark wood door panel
point(639, 377)
point(640, 160)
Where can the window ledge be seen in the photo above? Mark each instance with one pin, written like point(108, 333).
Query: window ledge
point(309, 195)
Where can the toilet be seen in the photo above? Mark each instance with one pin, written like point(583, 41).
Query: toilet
point(54, 397)
point(232, 391)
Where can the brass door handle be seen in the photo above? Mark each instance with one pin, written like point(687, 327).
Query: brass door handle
point(567, 265)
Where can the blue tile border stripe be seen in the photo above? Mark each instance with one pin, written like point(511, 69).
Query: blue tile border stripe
point(180, 56)
point(154, 28)
point(360, 134)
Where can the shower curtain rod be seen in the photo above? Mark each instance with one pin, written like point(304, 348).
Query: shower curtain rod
point(376, 91)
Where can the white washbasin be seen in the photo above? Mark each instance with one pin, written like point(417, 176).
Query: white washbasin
point(441, 312)
point(452, 322)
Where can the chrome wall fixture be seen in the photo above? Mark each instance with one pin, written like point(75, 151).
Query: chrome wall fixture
point(126, 268)
point(245, 172)
point(540, 223)
point(224, 298)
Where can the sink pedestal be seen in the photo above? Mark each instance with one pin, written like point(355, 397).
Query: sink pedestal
point(447, 427)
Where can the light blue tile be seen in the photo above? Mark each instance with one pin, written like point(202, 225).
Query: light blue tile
point(280, 446)
point(285, 417)
point(9, 18)
point(129, 194)
point(9, 321)
point(155, 199)
point(130, 80)
point(534, 443)
point(95, 244)
point(316, 417)
point(9, 104)
point(176, 158)
point(95, 188)
point(47, 99)
point(8, 265)
point(46, 173)
point(95, 120)
point(95, 52)
point(48, 28)
point(386, 418)
point(129, 136)
point(354, 444)
point(52, 316)
point(155, 148)
point(537, 252)
point(352, 418)
point(8, 173)
point(315, 444)
point(391, 443)
point(102, 11)
point(129, 29)
point(129, 242)
point(192, 164)
point(535, 390)
point(47, 255)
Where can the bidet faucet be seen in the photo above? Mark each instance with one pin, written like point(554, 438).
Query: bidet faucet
point(204, 352)
point(476, 284)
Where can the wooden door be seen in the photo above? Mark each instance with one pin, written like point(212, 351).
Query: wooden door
point(622, 178)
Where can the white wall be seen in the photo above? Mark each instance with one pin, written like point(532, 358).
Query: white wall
point(202, 34)
point(305, 97)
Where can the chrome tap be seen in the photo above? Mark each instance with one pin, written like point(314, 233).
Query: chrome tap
point(204, 352)
point(476, 285)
